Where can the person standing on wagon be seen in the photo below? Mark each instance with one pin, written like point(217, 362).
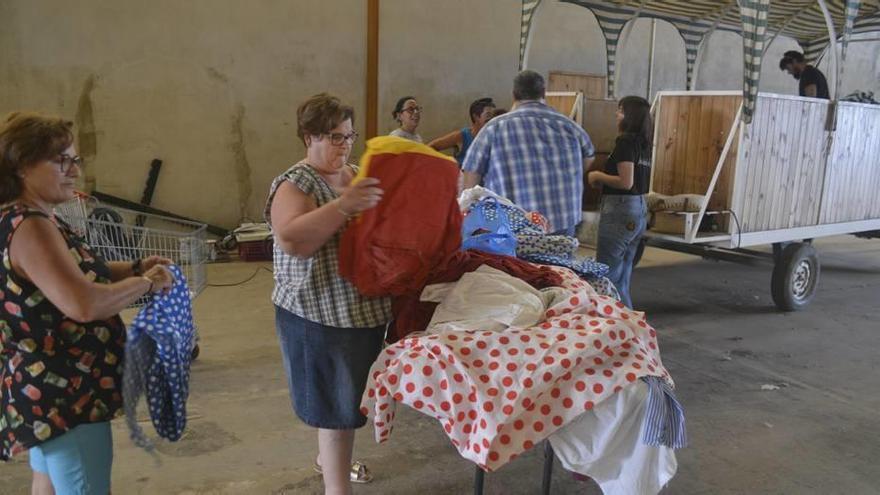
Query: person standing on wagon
point(624, 182)
point(811, 81)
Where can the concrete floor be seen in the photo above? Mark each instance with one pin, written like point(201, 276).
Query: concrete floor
point(720, 338)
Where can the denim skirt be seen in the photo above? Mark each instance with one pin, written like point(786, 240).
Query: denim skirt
point(327, 369)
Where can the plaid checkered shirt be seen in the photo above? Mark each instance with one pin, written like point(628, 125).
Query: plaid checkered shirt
point(311, 287)
point(534, 156)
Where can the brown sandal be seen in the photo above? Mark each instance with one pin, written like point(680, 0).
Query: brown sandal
point(358, 474)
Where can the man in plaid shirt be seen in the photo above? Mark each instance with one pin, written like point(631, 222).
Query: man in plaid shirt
point(533, 155)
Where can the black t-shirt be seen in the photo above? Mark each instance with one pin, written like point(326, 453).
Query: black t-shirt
point(630, 148)
point(810, 76)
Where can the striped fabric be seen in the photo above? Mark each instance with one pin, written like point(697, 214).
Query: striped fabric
point(528, 11)
point(801, 20)
point(664, 423)
point(754, 22)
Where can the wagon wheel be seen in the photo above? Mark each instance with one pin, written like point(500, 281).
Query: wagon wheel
point(795, 277)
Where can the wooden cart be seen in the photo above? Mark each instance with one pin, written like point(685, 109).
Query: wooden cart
point(794, 174)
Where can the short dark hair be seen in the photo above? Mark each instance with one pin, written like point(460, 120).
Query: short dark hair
point(637, 119)
point(320, 114)
point(399, 106)
point(790, 57)
point(528, 85)
point(25, 140)
point(477, 107)
point(794, 55)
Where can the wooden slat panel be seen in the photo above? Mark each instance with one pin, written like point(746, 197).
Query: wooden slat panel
point(805, 166)
point(692, 130)
point(664, 161)
point(564, 104)
point(601, 124)
point(765, 164)
point(752, 143)
point(785, 180)
point(851, 189)
point(818, 154)
point(753, 180)
point(783, 163)
point(591, 85)
point(874, 186)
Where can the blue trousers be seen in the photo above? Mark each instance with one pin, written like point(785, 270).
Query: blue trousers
point(622, 221)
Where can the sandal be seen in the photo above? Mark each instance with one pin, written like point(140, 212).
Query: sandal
point(358, 474)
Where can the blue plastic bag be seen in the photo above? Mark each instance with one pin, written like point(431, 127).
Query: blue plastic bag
point(487, 228)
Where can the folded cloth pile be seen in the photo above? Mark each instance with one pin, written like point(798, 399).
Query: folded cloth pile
point(861, 97)
point(533, 242)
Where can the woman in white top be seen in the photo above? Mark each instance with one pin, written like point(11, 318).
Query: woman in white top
point(407, 113)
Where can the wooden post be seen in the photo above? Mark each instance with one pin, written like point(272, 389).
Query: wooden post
point(372, 120)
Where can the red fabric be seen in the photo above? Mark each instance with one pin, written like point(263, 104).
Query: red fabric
point(412, 315)
point(390, 249)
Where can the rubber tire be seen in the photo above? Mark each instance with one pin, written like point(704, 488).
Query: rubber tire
point(784, 273)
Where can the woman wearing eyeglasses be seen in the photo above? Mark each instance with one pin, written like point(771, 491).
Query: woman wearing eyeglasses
point(481, 112)
point(329, 333)
point(407, 113)
point(61, 338)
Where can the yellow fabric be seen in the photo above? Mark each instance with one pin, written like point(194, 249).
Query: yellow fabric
point(397, 146)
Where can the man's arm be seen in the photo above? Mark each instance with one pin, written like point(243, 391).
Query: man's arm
point(811, 91)
point(476, 162)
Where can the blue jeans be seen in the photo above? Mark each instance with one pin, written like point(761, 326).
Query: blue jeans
point(622, 221)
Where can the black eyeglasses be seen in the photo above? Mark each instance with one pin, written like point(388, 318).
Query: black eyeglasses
point(66, 162)
point(337, 139)
point(412, 109)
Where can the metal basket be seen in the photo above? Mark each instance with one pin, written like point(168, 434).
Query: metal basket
point(119, 234)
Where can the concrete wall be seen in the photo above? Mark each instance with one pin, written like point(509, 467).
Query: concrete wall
point(211, 86)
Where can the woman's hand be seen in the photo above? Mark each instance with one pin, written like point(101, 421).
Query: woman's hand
point(359, 197)
point(161, 278)
point(593, 178)
point(151, 261)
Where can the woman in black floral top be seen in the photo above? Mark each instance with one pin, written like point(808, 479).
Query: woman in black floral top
point(61, 338)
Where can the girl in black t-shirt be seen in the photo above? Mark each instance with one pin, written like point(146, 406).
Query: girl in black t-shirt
point(625, 181)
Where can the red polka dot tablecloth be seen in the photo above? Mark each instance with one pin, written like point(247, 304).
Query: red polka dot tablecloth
point(497, 394)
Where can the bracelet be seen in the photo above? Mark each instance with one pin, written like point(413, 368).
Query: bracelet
point(136, 267)
point(343, 212)
point(150, 281)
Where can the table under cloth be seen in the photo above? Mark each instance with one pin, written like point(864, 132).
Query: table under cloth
point(497, 394)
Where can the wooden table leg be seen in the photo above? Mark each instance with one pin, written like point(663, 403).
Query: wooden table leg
point(548, 468)
point(479, 476)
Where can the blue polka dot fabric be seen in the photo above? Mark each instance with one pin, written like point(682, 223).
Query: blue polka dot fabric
point(158, 356)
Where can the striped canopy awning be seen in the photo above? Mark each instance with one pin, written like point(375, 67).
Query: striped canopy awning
point(758, 21)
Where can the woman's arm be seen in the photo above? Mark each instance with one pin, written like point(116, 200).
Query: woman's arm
point(39, 253)
point(623, 180)
point(301, 228)
point(120, 270)
point(451, 140)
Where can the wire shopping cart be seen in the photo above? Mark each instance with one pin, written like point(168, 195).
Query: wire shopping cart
point(119, 234)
